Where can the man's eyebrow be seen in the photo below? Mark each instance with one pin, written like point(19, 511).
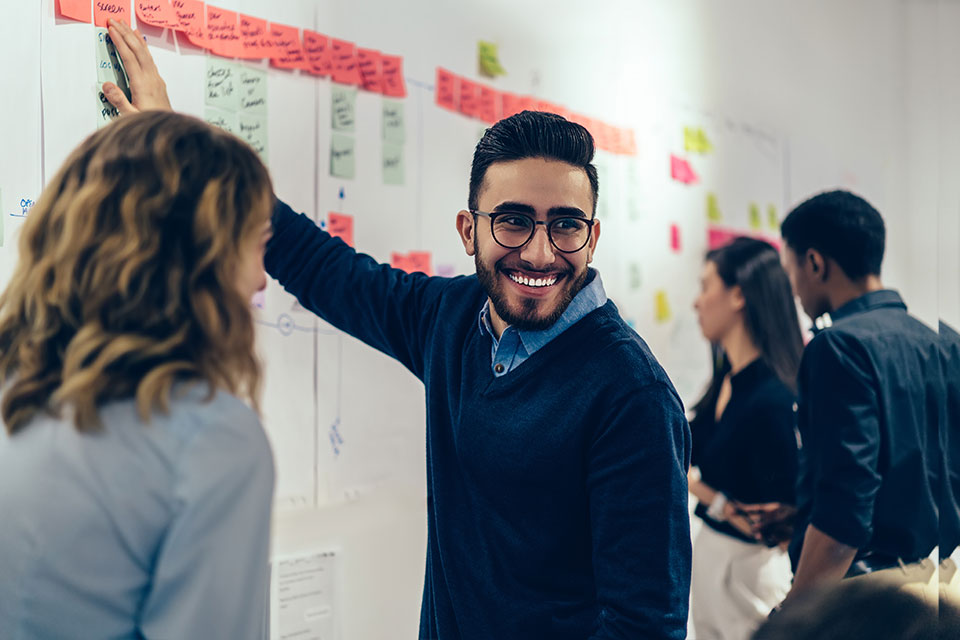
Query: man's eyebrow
point(553, 212)
point(519, 207)
point(566, 212)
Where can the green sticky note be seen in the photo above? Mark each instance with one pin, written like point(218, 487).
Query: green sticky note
point(342, 157)
point(773, 218)
point(106, 112)
point(713, 210)
point(393, 163)
point(343, 108)
point(394, 128)
point(755, 220)
point(220, 88)
point(252, 85)
point(252, 129)
point(226, 120)
point(109, 65)
point(636, 276)
point(489, 59)
point(695, 140)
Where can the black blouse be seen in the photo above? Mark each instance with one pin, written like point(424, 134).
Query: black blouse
point(750, 454)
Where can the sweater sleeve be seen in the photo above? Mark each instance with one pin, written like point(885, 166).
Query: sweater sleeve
point(637, 487)
point(388, 309)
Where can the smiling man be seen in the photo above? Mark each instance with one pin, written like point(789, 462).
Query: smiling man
point(557, 448)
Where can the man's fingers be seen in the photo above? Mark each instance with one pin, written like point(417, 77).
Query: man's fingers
point(117, 98)
point(127, 55)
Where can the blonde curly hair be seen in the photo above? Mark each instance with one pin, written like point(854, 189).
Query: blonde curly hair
point(127, 270)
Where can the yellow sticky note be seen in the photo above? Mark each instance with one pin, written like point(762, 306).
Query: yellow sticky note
point(489, 59)
point(755, 221)
point(713, 209)
point(773, 219)
point(695, 139)
point(662, 307)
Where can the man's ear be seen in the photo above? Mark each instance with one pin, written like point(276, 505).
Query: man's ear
point(817, 264)
point(467, 230)
point(592, 242)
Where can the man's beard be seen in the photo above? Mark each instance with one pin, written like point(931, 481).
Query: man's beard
point(526, 318)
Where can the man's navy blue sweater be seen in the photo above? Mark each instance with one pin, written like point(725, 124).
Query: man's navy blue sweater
point(557, 493)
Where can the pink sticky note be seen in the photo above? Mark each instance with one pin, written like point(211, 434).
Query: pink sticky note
point(78, 10)
point(394, 84)
point(368, 62)
point(316, 47)
point(158, 13)
point(190, 15)
point(223, 32)
point(104, 10)
point(675, 238)
point(447, 86)
point(721, 236)
point(420, 261)
point(681, 171)
point(511, 104)
point(400, 261)
point(491, 101)
point(345, 69)
point(290, 49)
point(340, 226)
point(469, 98)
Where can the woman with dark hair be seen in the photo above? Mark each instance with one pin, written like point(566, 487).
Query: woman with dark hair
point(136, 481)
point(744, 443)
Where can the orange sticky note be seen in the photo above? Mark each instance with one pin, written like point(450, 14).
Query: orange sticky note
point(104, 10)
point(316, 48)
point(394, 84)
point(191, 18)
point(78, 10)
point(223, 32)
point(345, 70)
point(368, 62)
point(340, 226)
point(253, 37)
point(490, 104)
point(511, 104)
point(469, 98)
point(400, 261)
point(630, 143)
point(447, 85)
point(158, 13)
point(288, 44)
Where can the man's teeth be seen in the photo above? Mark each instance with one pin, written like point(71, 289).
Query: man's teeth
point(533, 282)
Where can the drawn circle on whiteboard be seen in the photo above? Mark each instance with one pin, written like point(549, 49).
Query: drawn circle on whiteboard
point(285, 324)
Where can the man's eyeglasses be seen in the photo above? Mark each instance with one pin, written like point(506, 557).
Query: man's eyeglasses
point(512, 230)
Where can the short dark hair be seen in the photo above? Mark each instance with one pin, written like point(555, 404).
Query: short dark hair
point(840, 225)
point(533, 134)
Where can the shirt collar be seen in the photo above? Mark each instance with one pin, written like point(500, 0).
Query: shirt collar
point(591, 297)
point(868, 301)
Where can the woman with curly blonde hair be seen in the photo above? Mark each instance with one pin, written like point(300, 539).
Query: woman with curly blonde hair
point(135, 478)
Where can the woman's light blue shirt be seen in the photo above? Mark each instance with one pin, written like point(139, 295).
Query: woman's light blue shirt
point(156, 530)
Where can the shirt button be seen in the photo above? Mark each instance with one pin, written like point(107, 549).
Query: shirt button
point(498, 368)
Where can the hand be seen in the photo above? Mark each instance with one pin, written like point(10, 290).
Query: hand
point(736, 518)
point(147, 88)
point(771, 522)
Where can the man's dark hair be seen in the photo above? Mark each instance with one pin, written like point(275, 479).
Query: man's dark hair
point(840, 225)
point(533, 134)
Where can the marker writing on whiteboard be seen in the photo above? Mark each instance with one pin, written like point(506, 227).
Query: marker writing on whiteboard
point(335, 438)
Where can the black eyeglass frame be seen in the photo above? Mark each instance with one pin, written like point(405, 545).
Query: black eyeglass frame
point(496, 214)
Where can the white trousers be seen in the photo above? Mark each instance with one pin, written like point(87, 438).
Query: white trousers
point(734, 585)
